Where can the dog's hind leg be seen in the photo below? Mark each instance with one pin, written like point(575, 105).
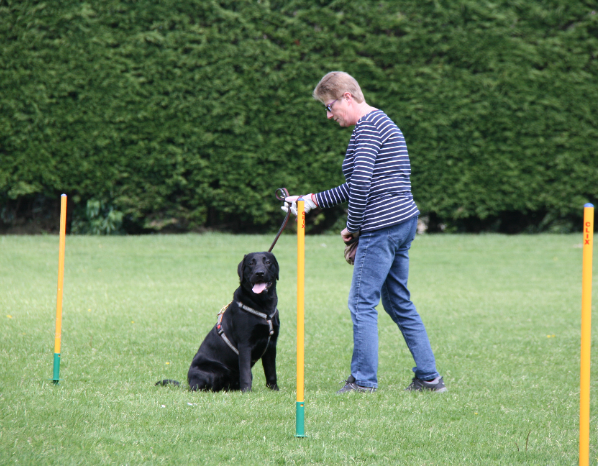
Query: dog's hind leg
point(198, 380)
point(205, 380)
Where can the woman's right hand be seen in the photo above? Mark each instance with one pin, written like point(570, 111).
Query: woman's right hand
point(308, 203)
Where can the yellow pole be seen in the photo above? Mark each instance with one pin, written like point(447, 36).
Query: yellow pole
point(300, 432)
point(57, 335)
point(586, 335)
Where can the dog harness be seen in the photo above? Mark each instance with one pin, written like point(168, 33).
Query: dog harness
point(264, 316)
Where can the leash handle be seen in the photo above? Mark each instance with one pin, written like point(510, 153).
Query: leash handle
point(281, 195)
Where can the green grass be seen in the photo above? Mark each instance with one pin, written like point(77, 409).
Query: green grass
point(502, 312)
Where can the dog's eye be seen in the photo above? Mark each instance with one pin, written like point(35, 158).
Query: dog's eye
point(267, 262)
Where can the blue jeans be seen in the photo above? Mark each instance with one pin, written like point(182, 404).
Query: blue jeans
point(381, 271)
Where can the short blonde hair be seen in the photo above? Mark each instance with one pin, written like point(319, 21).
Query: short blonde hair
point(335, 84)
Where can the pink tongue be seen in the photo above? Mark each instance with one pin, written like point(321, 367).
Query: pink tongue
point(258, 288)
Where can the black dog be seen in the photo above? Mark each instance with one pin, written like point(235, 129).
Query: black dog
point(247, 330)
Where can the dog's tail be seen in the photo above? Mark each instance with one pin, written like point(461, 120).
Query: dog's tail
point(168, 381)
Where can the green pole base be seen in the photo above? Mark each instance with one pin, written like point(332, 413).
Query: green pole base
point(300, 419)
point(56, 377)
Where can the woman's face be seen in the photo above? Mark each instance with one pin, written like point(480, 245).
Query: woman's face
point(340, 111)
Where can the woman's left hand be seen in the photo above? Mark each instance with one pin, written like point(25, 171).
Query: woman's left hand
point(348, 236)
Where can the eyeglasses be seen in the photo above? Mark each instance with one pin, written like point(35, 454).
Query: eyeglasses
point(329, 107)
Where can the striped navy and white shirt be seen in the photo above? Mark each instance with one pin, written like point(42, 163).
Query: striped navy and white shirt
point(377, 173)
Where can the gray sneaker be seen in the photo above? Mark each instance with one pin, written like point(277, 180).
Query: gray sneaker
point(351, 386)
point(418, 385)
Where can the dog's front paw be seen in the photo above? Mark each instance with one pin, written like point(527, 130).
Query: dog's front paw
point(246, 389)
point(273, 386)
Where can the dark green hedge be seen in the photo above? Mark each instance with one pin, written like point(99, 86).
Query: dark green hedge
point(183, 115)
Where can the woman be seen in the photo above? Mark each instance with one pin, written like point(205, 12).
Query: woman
point(383, 215)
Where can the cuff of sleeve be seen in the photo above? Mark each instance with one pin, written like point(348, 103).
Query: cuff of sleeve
point(317, 200)
point(351, 228)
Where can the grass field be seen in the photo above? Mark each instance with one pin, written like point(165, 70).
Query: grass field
point(502, 312)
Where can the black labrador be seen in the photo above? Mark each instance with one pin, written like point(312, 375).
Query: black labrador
point(246, 331)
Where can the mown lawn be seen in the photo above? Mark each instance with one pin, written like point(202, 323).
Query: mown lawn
point(502, 312)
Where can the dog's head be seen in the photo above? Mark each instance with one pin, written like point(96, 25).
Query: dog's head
point(258, 272)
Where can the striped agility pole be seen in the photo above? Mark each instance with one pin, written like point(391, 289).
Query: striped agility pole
point(300, 419)
point(586, 335)
point(57, 336)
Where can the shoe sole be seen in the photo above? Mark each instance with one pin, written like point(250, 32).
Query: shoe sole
point(357, 390)
point(424, 389)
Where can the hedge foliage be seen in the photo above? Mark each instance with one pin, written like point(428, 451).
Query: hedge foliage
point(182, 115)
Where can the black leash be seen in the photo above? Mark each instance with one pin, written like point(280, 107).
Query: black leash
point(281, 195)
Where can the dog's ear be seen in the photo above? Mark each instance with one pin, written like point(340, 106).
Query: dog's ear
point(274, 264)
point(241, 267)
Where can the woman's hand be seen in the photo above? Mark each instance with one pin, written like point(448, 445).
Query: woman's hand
point(347, 236)
point(309, 203)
